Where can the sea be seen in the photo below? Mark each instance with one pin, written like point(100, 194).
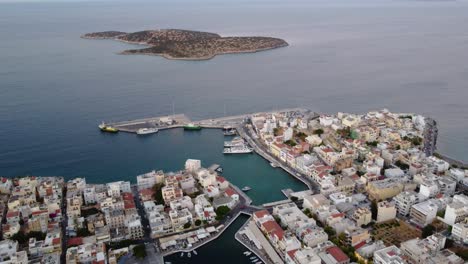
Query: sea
point(349, 56)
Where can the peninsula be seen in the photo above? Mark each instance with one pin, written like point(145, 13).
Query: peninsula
point(188, 45)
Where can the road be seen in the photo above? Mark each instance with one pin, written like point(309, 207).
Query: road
point(64, 226)
point(262, 150)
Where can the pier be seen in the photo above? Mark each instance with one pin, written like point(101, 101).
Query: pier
point(181, 120)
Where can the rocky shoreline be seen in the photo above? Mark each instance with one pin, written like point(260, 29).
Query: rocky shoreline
point(176, 44)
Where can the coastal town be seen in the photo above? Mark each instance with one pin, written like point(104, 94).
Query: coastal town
point(377, 193)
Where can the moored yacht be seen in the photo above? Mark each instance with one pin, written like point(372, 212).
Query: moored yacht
point(237, 150)
point(145, 131)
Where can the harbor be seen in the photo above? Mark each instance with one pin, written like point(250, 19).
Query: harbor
point(183, 121)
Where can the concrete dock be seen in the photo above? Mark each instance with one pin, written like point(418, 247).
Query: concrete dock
point(180, 120)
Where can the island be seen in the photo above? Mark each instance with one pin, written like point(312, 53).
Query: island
point(188, 45)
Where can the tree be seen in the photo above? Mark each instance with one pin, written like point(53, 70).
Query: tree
point(222, 211)
point(158, 193)
point(427, 231)
point(374, 209)
point(441, 213)
point(294, 198)
point(318, 131)
point(275, 131)
point(187, 225)
point(290, 142)
point(20, 237)
point(198, 222)
point(37, 234)
point(83, 232)
point(301, 135)
point(329, 230)
point(89, 211)
point(139, 251)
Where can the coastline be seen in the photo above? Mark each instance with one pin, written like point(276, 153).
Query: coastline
point(169, 57)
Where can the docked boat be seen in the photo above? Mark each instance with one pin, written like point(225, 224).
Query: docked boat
point(195, 252)
point(105, 128)
point(237, 150)
point(245, 189)
point(274, 165)
point(254, 257)
point(189, 255)
point(146, 131)
point(230, 132)
point(182, 254)
point(237, 141)
point(219, 169)
point(192, 126)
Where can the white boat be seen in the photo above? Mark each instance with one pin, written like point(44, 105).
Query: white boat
point(274, 165)
point(237, 141)
point(253, 257)
point(195, 252)
point(189, 255)
point(237, 150)
point(182, 254)
point(145, 131)
point(246, 188)
point(219, 169)
point(229, 132)
point(248, 253)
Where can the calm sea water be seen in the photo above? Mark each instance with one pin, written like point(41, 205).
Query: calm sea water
point(408, 56)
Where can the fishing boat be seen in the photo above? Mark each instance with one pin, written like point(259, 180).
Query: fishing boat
point(146, 131)
point(105, 128)
point(192, 126)
point(245, 189)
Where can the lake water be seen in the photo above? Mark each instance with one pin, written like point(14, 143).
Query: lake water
point(356, 56)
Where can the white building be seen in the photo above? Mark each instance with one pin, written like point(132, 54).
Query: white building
point(302, 256)
point(115, 189)
point(423, 213)
point(7, 249)
point(386, 211)
point(404, 201)
point(389, 255)
point(148, 180)
point(192, 165)
point(288, 134)
point(89, 195)
point(429, 188)
point(340, 197)
point(460, 232)
point(456, 211)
